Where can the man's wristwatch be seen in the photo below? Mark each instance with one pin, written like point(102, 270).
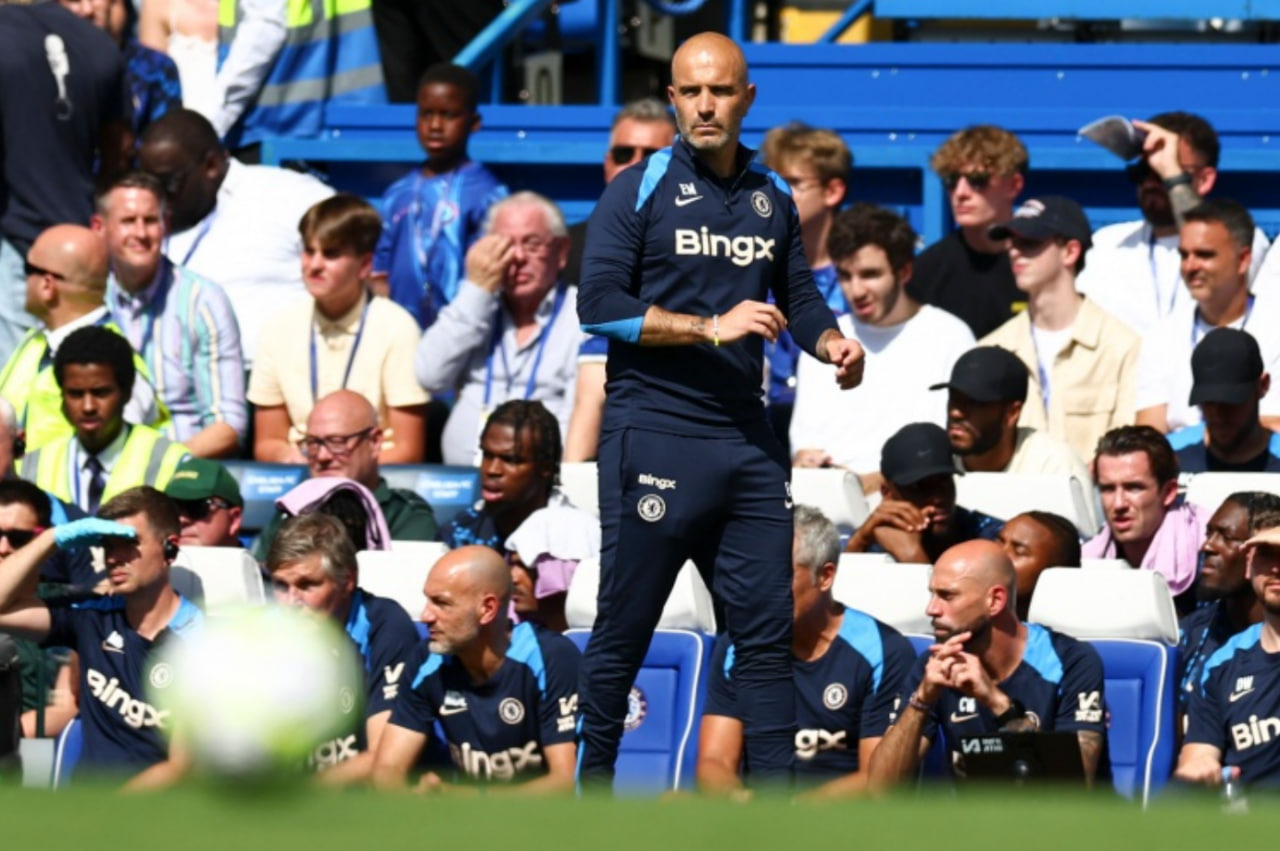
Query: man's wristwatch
point(1180, 179)
point(1015, 712)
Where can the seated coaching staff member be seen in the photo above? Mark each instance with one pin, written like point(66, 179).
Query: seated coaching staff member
point(990, 671)
point(506, 698)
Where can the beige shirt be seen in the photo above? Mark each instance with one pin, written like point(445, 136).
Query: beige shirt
point(382, 369)
point(1092, 383)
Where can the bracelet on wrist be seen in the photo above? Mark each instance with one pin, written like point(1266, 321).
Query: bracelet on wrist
point(1181, 179)
point(918, 704)
point(715, 329)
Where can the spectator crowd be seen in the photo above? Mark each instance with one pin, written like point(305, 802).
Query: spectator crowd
point(167, 305)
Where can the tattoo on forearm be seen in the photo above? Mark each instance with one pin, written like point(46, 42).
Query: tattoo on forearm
point(1025, 724)
point(1090, 751)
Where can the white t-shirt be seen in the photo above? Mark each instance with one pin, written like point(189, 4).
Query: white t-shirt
point(1164, 363)
point(1047, 345)
point(1138, 280)
point(903, 361)
point(249, 244)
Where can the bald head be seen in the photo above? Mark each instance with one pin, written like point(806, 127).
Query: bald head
point(709, 48)
point(468, 592)
point(476, 570)
point(343, 438)
point(74, 276)
point(983, 562)
point(343, 409)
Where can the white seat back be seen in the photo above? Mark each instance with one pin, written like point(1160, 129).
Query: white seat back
point(830, 491)
point(688, 607)
point(1089, 604)
point(217, 577)
point(578, 481)
point(399, 573)
point(1104, 564)
point(1005, 495)
point(1210, 490)
point(894, 593)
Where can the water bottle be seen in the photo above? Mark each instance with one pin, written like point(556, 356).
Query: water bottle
point(1233, 799)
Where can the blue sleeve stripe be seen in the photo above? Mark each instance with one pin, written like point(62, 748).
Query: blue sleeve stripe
point(626, 330)
point(653, 172)
point(1274, 444)
point(427, 668)
point(358, 625)
point(1041, 655)
point(188, 617)
point(1240, 641)
point(526, 650)
point(728, 663)
point(861, 632)
point(1190, 436)
point(782, 185)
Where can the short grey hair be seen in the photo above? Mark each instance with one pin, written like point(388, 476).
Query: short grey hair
point(646, 111)
point(307, 534)
point(817, 541)
point(552, 213)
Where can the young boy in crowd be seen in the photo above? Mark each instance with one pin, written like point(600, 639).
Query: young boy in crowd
point(432, 215)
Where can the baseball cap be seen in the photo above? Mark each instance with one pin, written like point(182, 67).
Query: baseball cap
point(916, 451)
point(1045, 218)
point(989, 374)
point(1225, 367)
point(200, 478)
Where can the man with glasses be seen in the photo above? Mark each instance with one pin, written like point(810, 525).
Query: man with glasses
point(1133, 270)
point(182, 325)
point(209, 503)
point(1228, 603)
point(512, 330)
point(66, 271)
point(233, 224)
point(967, 272)
point(342, 440)
point(1083, 361)
point(641, 128)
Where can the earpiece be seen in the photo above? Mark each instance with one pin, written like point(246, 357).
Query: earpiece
point(19, 447)
point(170, 550)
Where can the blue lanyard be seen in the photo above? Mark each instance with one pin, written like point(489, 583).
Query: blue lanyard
point(200, 235)
point(351, 358)
point(498, 344)
point(1248, 311)
point(1043, 374)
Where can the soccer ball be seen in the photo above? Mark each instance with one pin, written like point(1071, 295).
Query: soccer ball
point(254, 691)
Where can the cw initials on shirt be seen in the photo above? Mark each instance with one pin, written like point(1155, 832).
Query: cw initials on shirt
point(136, 713)
point(810, 743)
point(741, 250)
point(502, 765)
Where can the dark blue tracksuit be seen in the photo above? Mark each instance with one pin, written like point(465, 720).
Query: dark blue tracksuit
point(688, 465)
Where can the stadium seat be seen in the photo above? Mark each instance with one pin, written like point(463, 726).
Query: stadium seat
point(449, 489)
point(688, 607)
point(1105, 564)
point(1209, 490)
point(1128, 617)
point(578, 481)
point(216, 577)
point(260, 486)
point(836, 493)
point(37, 762)
point(894, 593)
point(1004, 495)
point(399, 573)
point(66, 753)
point(659, 750)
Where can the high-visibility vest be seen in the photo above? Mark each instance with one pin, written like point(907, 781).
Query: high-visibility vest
point(330, 54)
point(27, 381)
point(148, 458)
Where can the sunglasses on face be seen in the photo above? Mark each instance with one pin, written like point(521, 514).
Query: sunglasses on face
point(627, 154)
point(30, 269)
point(977, 180)
point(199, 509)
point(18, 538)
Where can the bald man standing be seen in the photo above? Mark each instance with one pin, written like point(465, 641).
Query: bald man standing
point(66, 271)
point(682, 253)
point(505, 698)
point(342, 440)
point(991, 672)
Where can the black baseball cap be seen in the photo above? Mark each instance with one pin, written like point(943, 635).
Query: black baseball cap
point(915, 452)
point(1225, 367)
point(1045, 218)
point(989, 374)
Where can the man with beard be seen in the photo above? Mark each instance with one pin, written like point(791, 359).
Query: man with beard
point(506, 698)
point(990, 672)
point(1229, 381)
point(1229, 604)
point(1234, 714)
point(1133, 268)
point(917, 518)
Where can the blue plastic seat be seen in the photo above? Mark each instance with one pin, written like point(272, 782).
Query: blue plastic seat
point(660, 741)
point(261, 485)
point(449, 489)
point(66, 753)
point(1141, 734)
